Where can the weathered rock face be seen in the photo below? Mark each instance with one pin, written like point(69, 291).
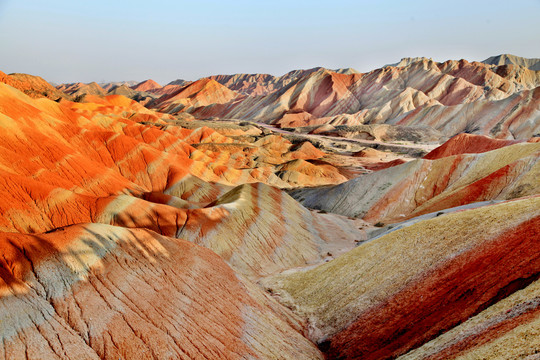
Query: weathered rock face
point(33, 86)
point(397, 292)
point(101, 292)
point(127, 232)
point(451, 97)
point(424, 186)
point(96, 213)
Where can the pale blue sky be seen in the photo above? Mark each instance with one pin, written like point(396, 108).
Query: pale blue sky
point(107, 40)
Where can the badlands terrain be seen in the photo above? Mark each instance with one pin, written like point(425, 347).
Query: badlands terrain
point(322, 214)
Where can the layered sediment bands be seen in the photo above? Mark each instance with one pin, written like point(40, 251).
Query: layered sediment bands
point(258, 230)
point(262, 84)
point(95, 291)
point(468, 144)
point(135, 290)
point(423, 186)
point(127, 232)
point(256, 217)
point(450, 97)
point(394, 293)
point(204, 92)
point(142, 92)
point(90, 163)
point(508, 329)
point(33, 86)
point(261, 230)
point(63, 163)
point(514, 117)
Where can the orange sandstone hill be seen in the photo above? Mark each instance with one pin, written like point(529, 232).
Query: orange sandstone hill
point(146, 85)
point(395, 214)
point(424, 186)
point(468, 144)
point(78, 89)
point(454, 275)
point(33, 86)
point(201, 93)
point(85, 187)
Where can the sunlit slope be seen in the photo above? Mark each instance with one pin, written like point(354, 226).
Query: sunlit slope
point(99, 200)
point(451, 97)
point(399, 291)
point(423, 186)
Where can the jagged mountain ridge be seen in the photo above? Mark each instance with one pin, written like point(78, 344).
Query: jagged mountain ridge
point(508, 59)
point(262, 84)
point(421, 93)
point(415, 91)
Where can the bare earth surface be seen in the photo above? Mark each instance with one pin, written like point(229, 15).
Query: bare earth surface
point(322, 214)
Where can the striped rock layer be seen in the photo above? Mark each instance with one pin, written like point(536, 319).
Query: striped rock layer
point(126, 236)
point(262, 84)
point(469, 144)
point(451, 97)
point(451, 275)
point(93, 291)
point(424, 186)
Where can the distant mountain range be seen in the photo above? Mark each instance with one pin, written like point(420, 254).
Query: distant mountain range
point(496, 97)
point(507, 59)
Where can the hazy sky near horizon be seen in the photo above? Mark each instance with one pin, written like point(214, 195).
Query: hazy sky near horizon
point(108, 40)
